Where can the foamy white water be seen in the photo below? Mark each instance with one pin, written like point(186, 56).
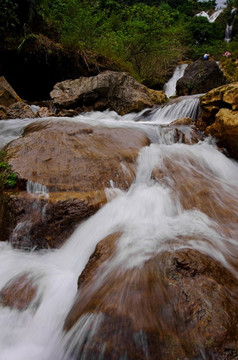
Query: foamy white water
point(36, 188)
point(152, 217)
point(213, 17)
point(170, 86)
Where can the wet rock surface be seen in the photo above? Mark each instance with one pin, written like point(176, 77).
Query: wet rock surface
point(199, 78)
point(47, 222)
point(179, 304)
point(109, 90)
point(75, 163)
point(70, 156)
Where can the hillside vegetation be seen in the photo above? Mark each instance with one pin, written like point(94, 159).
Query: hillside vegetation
point(148, 38)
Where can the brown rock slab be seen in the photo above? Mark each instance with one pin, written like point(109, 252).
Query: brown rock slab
point(66, 155)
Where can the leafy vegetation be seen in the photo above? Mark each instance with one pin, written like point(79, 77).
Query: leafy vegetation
point(8, 179)
point(148, 37)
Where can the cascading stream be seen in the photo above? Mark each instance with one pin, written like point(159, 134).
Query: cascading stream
point(183, 196)
point(170, 86)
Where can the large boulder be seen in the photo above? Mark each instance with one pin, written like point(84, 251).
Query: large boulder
point(64, 155)
point(108, 90)
point(74, 163)
point(200, 77)
point(220, 116)
point(177, 305)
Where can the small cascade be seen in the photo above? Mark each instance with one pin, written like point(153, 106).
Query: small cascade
point(211, 18)
point(228, 33)
point(184, 106)
point(12, 129)
point(36, 188)
point(170, 86)
point(39, 194)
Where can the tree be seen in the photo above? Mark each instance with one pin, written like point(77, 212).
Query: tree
point(202, 31)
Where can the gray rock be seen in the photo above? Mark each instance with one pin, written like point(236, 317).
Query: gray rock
point(109, 90)
point(200, 77)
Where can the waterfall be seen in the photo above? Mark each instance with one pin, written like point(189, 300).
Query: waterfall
point(228, 31)
point(36, 188)
point(162, 211)
point(184, 106)
point(170, 86)
point(211, 18)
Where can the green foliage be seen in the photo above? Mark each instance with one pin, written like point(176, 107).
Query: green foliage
point(8, 18)
point(229, 64)
point(148, 37)
point(8, 179)
point(202, 31)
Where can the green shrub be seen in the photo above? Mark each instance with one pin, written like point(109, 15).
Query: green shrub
point(8, 179)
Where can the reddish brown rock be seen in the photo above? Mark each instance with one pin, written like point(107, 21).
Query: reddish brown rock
point(18, 293)
point(178, 305)
point(76, 162)
point(48, 221)
point(71, 156)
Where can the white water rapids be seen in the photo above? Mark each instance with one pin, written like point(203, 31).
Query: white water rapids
point(151, 214)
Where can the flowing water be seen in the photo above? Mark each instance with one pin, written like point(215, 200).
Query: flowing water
point(229, 26)
point(170, 86)
point(162, 210)
point(213, 17)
